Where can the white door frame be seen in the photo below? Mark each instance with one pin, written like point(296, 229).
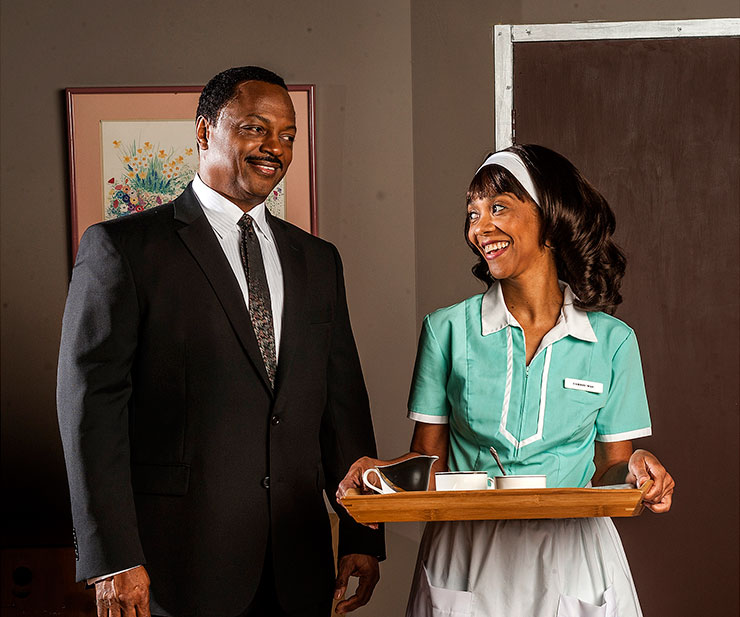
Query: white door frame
point(505, 36)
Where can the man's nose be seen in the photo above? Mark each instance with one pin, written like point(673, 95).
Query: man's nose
point(272, 144)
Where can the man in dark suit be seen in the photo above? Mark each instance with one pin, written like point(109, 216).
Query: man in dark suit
point(209, 389)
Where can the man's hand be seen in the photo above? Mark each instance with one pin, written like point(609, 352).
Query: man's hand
point(124, 595)
point(645, 466)
point(367, 569)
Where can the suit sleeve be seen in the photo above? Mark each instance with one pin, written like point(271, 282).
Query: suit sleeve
point(347, 429)
point(99, 334)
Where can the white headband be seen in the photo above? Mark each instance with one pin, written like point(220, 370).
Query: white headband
point(513, 164)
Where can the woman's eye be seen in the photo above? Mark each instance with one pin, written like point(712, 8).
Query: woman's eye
point(472, 216)
point(496, 208)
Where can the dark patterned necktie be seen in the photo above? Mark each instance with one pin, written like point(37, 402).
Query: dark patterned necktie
point(260, 307)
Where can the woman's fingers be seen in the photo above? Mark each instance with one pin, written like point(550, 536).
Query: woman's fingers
point(644, 465)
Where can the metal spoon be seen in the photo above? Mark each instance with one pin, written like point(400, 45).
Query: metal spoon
point(494, 454)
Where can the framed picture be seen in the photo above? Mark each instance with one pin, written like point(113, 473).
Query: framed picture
point(131, 149)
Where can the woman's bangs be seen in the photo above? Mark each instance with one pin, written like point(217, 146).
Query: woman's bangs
point(494, 180)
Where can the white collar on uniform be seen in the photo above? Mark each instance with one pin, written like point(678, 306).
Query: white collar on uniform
point(573, 321)
point(223, 215)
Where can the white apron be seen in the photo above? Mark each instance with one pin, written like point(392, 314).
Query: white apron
point(512, 568)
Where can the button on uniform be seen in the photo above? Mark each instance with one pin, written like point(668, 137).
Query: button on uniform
point(275, 420)
point(265, 482)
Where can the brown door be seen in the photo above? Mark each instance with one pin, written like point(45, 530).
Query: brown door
point(654, 125)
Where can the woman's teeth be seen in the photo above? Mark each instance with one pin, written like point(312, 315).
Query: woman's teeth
point(495, 246)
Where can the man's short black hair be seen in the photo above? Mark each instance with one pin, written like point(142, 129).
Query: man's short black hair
point(222, 88)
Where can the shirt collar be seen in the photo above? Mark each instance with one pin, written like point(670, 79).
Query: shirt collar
point(573, 321)
point(223, 215)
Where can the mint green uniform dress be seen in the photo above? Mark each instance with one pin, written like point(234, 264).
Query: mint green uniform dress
point(584, 384)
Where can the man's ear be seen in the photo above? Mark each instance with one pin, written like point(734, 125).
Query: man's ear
point(202, 133)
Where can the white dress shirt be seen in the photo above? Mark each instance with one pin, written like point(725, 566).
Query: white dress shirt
point(223, 216)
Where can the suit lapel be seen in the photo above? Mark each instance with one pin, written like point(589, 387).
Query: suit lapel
point(293, 263)
point(197, 234)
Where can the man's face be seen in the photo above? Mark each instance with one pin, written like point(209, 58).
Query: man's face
point(247, 151)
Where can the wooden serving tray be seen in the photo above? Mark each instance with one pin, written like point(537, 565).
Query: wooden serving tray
point(495, 504)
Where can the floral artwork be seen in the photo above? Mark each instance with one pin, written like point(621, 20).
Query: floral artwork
point(276, 200)
point(151, 177)
point(145, 164)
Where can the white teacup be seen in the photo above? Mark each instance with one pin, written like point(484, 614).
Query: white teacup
point(461, 480)
point(507, 482)
point(384, 489)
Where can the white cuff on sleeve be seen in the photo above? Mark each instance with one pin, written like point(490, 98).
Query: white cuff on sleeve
point(642, 432)
point(427, 418)
point(92, 581)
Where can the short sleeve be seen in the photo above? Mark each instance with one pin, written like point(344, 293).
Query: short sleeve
point(428, 397)
point(625, 415)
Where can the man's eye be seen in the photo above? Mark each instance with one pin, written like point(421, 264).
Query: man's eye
point(253, 129)
point(289, 138)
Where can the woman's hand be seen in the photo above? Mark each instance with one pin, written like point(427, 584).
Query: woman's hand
point(429, 439)
point(617, 463)
point(353, 479)
point(644, 466)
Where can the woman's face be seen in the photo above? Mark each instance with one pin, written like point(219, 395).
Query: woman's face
point(506, 231)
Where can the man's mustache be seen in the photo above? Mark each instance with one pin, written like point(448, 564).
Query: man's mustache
point(265, 159)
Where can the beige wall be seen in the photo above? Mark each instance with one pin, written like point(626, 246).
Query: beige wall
point(359, 56)
point(390, 190)
point(363, 96)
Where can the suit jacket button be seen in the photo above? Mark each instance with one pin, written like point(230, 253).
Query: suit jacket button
point(275, 420)
point(74, 542)
point(265, 482)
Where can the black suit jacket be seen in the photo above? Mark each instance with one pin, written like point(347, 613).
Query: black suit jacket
point(179, 454)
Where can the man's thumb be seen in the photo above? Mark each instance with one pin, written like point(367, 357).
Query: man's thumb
point(340, 586)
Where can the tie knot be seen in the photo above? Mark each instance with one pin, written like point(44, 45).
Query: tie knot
point(246, 223)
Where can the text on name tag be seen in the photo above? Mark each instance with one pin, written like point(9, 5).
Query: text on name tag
point(582, 384)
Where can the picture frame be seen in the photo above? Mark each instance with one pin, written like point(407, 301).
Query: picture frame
point(133, 148)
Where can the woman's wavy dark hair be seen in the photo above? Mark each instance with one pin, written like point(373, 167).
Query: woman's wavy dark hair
point(577, 223)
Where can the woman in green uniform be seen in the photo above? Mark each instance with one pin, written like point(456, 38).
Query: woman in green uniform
point(538, 368)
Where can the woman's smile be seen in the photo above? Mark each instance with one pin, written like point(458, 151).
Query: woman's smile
point(492, 249)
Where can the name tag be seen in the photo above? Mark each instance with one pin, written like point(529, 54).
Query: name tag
point(582, 384)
